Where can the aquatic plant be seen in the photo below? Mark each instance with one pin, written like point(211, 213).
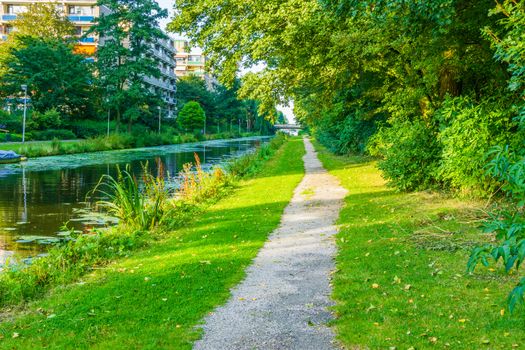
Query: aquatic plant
point(139, 208)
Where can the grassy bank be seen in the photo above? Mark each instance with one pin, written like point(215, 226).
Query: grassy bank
point(401, 280)
point(103, 143)
point(155, 297)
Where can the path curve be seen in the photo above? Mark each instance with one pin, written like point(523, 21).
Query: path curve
point(283, 301)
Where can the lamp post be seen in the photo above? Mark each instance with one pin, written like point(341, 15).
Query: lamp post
point(204, 124)
point(158, 107)
point(24, 88)
point(109, 107)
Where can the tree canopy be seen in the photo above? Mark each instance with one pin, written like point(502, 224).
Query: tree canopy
point(192, 117)
point(125, 56)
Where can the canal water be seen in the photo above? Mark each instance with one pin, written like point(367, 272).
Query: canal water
point(38, 196)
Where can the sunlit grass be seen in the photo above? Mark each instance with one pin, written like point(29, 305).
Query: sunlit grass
point(401, 277)
point(155, 298)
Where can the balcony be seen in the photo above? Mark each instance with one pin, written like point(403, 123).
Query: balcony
point(8, 17)
point(81, 18)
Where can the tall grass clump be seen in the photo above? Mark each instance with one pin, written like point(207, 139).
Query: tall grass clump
point(252, 162)
point(146, 209)
point(136, 207)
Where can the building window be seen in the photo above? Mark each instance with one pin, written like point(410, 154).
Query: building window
point(16, 9)
point(81, 10)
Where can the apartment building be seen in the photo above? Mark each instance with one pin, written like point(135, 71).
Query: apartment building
point(188, 62)
point(82, 14)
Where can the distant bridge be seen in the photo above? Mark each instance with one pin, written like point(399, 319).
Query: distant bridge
point(288, 126)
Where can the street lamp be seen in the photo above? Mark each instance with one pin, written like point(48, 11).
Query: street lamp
point(158, 107)
point(24, 88)
point(109, 107)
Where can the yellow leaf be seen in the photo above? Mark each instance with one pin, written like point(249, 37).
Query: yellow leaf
point(375, 285)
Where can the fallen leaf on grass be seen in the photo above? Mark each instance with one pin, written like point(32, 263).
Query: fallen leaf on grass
point(375, 285)
point(15, 335)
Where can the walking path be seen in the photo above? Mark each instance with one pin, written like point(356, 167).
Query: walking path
point(283, 302)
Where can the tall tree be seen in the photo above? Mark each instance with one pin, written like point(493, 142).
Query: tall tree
point(128, 33)
point(56, 77)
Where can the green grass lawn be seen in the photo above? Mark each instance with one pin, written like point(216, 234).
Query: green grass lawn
point(155, 298)
point(45, 146)
point(401, 280)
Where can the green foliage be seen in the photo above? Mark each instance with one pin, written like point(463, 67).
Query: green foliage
point(51, 134)
point(56, 77)
point(136, 207)
point(126, 56)
point(50, 119)
point(222, 106)
point(469, 131)
point(409, 151)
point(251, 163)
point(44, 21)
point(191, 116)
point(507, 223)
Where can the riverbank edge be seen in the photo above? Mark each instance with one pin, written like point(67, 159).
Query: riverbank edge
point(112, 143)
point(156, 297)
point(401, 277)
point(69, 261)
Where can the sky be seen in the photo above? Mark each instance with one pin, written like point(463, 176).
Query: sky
point(168, 4)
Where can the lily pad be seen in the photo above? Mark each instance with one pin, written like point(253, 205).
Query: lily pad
point(38, 239)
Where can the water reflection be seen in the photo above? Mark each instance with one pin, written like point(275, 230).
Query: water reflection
point(38, 196)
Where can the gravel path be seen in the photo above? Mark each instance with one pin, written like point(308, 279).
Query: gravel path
point(283, 302)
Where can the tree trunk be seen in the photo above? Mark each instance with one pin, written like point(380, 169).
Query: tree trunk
point(448, 84)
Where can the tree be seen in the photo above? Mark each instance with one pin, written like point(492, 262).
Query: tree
point(56, 77)
point(193, 88)
point(43, 20)
point(192, 116)
point(125, 57)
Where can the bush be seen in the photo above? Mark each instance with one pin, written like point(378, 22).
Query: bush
point(470, 130)
point(90, 128)
point(11, 122)
point(507, 222)
point(51, 119)
point(410, 155)
point(350, 136)
point(51, 134)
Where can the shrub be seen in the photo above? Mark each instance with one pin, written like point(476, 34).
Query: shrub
point(410, 155)
point(508, 222)
point(90, 128)
point(349, 136)
point(51, 119)
point(51, 134)
point(470, 130)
